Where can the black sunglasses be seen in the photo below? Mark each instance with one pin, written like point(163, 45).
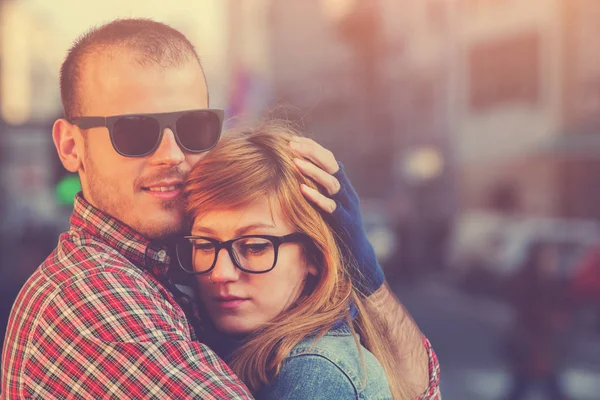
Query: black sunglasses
point(253, 254)
point(138, 135)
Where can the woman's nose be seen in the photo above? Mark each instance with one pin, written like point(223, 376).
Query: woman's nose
point(225, 270)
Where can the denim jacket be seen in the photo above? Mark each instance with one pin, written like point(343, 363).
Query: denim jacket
point(328, 369)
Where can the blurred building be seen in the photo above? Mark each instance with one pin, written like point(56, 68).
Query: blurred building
point(369, 80)
point(420, 48)
point(29, 65)
point(29, 99)
point(527, 104)
point(345, 71)
point(247, 78)
point(317, 76)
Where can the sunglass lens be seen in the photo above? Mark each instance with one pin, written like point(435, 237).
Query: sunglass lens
point(135, 135)
point(198, 130)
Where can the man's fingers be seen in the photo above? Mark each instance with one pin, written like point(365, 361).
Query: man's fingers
point(321, 201)
point(316, 153)
point(328, 181)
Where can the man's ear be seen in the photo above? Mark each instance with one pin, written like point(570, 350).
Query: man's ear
point(69, 147)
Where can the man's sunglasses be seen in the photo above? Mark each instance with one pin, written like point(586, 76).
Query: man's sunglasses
point(138, 135)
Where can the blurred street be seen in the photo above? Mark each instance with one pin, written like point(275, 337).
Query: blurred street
point(466, 333)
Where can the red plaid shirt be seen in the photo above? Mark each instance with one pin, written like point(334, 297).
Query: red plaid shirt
point(433, 392)
point(96, 321)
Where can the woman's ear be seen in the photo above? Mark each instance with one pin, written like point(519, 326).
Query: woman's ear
point(312, 269)
point(313, 258)
point(68, 148)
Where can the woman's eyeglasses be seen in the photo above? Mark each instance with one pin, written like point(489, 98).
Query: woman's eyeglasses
point(254, 254)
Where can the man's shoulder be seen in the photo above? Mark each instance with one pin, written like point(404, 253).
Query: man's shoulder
point(79, 269)
point(83, 289)
point(77, 257)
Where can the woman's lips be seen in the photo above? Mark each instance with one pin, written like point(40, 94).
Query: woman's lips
point(230, 302)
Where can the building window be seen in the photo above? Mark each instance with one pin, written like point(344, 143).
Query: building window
point(505, 70)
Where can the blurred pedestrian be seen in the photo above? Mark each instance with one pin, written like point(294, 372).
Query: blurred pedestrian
point(536, 343)
point(586, 284)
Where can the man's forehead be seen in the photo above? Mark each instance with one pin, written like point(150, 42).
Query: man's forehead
point(113, 81)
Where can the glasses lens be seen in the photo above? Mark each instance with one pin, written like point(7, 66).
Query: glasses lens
point(203, 255)
point(254, 253)
point(135, 135)
point(198, 130)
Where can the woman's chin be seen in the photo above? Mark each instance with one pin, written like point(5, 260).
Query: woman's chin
point(236, 327)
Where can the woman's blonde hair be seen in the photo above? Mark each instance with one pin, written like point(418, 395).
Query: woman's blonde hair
point(257, 163)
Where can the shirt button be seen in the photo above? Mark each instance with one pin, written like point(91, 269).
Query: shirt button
point(161, 254)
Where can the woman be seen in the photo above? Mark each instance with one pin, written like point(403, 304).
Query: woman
point(292, 326)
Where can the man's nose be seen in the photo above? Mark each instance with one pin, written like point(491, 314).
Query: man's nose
point(168, 151)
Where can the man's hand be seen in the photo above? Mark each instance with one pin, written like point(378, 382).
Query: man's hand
point(343, 205)
point(319, 164)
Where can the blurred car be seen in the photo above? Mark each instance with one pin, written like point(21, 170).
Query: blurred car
point(476, 242)
point(488, 248)
point(572, 238)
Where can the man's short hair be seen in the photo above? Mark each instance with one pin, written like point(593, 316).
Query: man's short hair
point(155, 44)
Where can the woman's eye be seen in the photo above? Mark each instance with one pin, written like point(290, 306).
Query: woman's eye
point(205, 247)
point(254, 248)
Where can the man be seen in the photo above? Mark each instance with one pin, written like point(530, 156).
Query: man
point(100, 317)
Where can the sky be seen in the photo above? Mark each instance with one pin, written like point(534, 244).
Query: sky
point(203, 21)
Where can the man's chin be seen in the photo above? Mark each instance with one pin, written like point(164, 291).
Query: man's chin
point(161, 227)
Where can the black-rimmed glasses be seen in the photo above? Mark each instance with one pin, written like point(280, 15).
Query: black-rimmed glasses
point(254, 254)
point(139, 135)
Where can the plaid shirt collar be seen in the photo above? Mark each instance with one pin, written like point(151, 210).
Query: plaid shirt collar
point(144, 253)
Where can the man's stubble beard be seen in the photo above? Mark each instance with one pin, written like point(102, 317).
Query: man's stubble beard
point(104, 194)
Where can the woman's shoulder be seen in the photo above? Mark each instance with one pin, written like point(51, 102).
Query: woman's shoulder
point(329, 367)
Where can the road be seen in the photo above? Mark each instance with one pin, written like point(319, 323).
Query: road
point(466, 333)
